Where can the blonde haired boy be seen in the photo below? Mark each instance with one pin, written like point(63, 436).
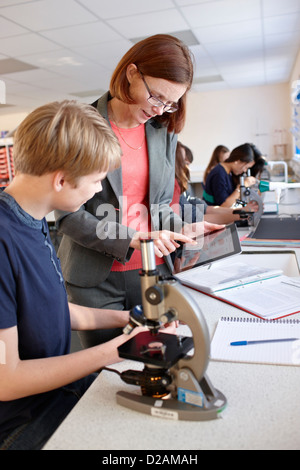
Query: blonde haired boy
point(62, 151)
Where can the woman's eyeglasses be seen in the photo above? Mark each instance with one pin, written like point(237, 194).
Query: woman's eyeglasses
point(154, 101)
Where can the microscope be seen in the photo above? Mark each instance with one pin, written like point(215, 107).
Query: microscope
point(173, 382)
point(277, 187)
point(248, 195)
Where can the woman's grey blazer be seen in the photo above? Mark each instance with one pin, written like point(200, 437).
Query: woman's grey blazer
point(93, 237)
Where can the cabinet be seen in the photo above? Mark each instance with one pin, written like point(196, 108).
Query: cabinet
point(7, 171)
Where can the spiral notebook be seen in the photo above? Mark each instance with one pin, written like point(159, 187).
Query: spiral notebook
point(235, 329)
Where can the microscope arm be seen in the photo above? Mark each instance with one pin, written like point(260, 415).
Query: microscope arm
point(167, 301)
point(178, 300)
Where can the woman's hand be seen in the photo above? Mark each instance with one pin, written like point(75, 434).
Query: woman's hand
point(164, 241)
point(250, 181)
point(200, 228)
point(252, 206)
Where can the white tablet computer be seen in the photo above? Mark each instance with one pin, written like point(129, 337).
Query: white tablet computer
point(211, 247)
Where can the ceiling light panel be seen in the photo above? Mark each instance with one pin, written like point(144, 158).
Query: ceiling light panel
point(246, 76)
point(33, 78)
point(208, 79)
point(288, 40)
point(43, 15)
point(14, 66)
point(150, 23)
point(8, 3)
point(55, 60)
point(73, 46)
point(82, 35)
point(282, 24)
point(187, 36)
point(204, 64)
point(215, 12)
point(8, 28)
point(229, 31)
point(106, 55)
point(280, 7)
point(223, 51)
point(119, 8)
point(87, 94)
point(212, 86)
point(240, 67)
point(26, 44)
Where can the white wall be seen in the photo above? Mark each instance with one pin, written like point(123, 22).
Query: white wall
point(233, 117)
point(9, 122)
point(228, 117)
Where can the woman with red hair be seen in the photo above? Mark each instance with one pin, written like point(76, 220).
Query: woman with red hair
point(100, 249)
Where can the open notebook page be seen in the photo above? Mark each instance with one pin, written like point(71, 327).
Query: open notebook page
point(250, 329)
point(270, 299)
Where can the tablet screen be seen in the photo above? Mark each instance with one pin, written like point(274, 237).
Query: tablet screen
point(210, 247)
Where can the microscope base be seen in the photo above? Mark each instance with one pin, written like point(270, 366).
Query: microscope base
point(172, 408)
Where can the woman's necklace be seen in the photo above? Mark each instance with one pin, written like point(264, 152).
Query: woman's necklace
point(122, 137)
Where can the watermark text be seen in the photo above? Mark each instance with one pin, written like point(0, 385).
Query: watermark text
point(137, 217)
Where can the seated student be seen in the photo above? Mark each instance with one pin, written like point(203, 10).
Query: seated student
point(221, 187)
point(183, 158)
point(190, 207)
point(219, 155)
point(62, 151)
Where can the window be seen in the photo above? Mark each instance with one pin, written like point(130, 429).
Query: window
point(295, 130)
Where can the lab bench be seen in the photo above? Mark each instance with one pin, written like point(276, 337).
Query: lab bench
point(263, 409)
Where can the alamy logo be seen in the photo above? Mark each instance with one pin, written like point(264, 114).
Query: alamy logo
point(137, 216)
point(2, 353)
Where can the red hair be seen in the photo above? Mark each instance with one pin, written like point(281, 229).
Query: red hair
point(160, 56)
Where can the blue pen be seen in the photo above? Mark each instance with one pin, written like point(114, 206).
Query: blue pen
point(246, 343)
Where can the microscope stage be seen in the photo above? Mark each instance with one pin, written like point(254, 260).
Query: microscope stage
point(162, 350)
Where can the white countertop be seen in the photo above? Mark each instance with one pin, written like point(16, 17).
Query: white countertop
point(263, 410)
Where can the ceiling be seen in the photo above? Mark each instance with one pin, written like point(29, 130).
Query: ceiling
point(67, 49)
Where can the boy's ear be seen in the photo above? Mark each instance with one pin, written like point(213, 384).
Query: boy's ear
point(59, 180)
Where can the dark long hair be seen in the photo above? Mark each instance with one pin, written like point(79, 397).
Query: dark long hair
point(215, 159)
point(247, 153)
point(182, 172)
point(243, 153)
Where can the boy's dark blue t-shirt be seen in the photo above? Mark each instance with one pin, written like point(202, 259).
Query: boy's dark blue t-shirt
point(32, 298)
point(218, 187)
